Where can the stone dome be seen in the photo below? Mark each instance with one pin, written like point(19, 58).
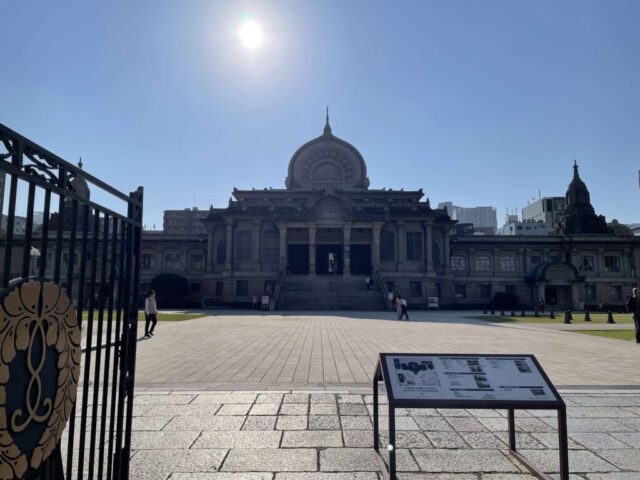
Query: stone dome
point(327, 161)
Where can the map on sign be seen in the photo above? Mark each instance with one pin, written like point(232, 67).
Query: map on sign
point(442, 377)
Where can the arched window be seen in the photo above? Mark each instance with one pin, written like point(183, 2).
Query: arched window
point(387, 246)
point(221, 251)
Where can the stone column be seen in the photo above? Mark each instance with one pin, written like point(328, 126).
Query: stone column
point(283, 246)
point(375, 247)
point(402, 243)
point(346, 261)
point(447, 250)
point(312, 249)
point(428, 251)
point(210, 250)
point(257, 237)
point(228, 264)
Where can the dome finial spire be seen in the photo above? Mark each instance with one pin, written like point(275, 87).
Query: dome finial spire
point(327, 127)
point(80, 163)
point(575, 169)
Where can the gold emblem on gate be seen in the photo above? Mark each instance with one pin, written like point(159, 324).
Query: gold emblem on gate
point(39, 371)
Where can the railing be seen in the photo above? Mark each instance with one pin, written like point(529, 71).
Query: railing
point(383, 288)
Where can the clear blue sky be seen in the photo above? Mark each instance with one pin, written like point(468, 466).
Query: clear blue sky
point(477, 102)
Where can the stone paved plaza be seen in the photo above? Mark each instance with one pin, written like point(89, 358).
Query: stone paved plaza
point(271, 397)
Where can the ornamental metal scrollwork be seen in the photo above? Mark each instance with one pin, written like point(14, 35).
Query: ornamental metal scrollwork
point(39, 371)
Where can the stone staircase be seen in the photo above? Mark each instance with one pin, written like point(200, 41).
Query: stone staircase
point(327, 292)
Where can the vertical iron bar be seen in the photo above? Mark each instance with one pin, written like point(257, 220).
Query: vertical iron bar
point(11, 213)
point(89, 337)
point(563, 444)
point(133, 334)
point(115, 382)
point(376, 440)
point(83, 261)
point(392, 442)
point(96, 377)
point(28, 232)
point(110, 344)
point(512, 429)
point(72, 248)
point(124, 352)
point(44, 241)
point(56, 267)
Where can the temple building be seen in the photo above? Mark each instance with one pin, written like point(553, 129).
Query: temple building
point(312, 245)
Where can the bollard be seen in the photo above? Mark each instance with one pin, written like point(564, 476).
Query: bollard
point(484, 311)
point(522, 313)
point(493, 312)
point(610, 317)
point(587, 317)
point(551, 314)
point(502, 313)
point(513, 313)
point(567, 316)
point(535, 313)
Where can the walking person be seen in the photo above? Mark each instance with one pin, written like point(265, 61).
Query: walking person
point(633, 306)
point(403, 308)
point(398, 306)
point(150, 313)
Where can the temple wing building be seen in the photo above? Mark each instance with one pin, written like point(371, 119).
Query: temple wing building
point(316, 242)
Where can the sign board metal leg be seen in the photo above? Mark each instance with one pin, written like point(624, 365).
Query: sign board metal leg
point(563, 444)
point(392, 442)
point(512, 430)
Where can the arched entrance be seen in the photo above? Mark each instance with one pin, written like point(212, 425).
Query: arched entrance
point(557, 284)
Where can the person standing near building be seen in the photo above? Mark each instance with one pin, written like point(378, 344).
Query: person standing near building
point(403, 308)
point(633, 306)
point(398, 305)
point(150, 314)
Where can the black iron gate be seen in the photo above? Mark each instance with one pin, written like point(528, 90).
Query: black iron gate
point(52, 234)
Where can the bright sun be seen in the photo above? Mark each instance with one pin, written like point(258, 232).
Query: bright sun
point(250, 34)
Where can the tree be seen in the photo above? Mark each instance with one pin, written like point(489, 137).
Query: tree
point(170, 285)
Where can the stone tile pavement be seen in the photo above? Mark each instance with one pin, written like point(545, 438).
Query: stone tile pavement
point(234, 350)
point(297, 435)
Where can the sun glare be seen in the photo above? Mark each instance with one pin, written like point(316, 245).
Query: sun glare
point(250, 34)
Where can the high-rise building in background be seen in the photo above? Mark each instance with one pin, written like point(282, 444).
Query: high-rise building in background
point(484, 219)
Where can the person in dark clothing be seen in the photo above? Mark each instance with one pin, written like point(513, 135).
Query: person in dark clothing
point(403, 308)
point(150, 312)
point(633, 306)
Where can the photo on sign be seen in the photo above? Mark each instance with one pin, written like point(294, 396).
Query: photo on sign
point(522, 366)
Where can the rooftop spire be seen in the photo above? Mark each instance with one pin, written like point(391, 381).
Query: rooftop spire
point(575, 169)
point(327, 127)
point(80, 163)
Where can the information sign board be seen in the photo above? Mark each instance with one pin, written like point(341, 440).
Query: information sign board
point(445, 377)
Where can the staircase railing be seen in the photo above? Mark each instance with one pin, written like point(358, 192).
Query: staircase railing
point(383, 288)
point(278, 290)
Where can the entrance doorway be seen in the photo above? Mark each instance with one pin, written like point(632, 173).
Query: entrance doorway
point(298, 256)
point(361, 259)
point(558, 296)
point(329, 259)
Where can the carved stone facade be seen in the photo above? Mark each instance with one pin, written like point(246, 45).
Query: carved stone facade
point(327, 227)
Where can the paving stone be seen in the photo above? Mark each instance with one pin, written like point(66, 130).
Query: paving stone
point(271, 460)
point(291, 422)
point(356, 422)
point(595, 441)
point(264, 409)
point(270, 398)
point(223, 476)
point(144, 399)
point(424, 412)
point(482, 440)
point(204, 423)
point(404, 460)
point(348, 460)
point(533, 425)
point(597, 425)
point(433, 424)
point(234, 409)
point(408, 440)
point(312, 439)
point(579, 460)
point(353, 409)
point(344, 398)
point(523, 440)
point(323, 398)
point(164, 440)
point(508, 476)
point(453, 412)
point(551, 440)
point(436, 476)
point(225, 398)
point(382, 399)
point(402, 423)
point(436, 460)
point(239, 439)
point(327, 476)
point(446, 440)
point(495, 424)
point(149, 423)
point(623, 459)
point(466, 424)
point(630, 439)
point(183, 410)
point(613, 476)
point(324, 422)
point(323, 409)
point(600, 412)
point(484, 412)
point(294, 409)
point(296, 398)
point(358, 438)
point(149, 464)
point(266, 422)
